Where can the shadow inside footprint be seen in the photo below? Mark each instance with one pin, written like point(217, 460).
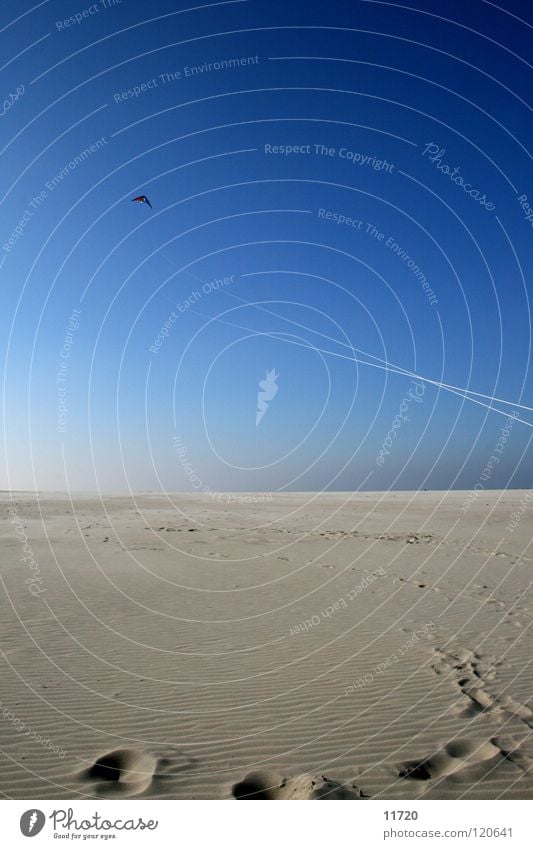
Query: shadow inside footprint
point(123, 772)
point(258, 785)
point(108, 768)
point(416, 771)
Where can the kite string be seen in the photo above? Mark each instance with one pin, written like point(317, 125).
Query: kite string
point(381, 364)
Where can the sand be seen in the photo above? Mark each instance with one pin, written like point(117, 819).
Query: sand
point(304, 646)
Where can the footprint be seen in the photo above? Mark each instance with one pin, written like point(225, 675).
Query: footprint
point(516, 709)
point(471, 666)
point(477, 701)
point(123, 772)
point(475, 672)
point(511, 750)
point(258, 785)
point(265, 784)
point(454, 757)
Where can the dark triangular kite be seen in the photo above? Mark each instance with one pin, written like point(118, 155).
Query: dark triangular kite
point(142, 199)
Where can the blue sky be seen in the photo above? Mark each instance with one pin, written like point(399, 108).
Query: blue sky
point(340, 194)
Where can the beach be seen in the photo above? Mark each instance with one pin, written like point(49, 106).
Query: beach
point(279, 646)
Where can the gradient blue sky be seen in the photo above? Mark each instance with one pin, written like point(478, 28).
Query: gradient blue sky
point(332, 308)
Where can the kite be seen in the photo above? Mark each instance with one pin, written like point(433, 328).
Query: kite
point(142, 199)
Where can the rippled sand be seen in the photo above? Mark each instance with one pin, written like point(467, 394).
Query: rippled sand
point(303, 646)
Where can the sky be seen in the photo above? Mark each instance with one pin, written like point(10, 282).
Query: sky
point(331, 288)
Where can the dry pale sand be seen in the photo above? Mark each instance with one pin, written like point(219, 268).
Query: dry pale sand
point(334, 646)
